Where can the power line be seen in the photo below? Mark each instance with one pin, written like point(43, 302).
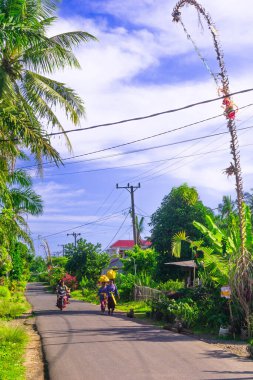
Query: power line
point(131, 165)
point(166, 169)
point(164, 145)
point(132, 142)
point(152, 115)
point(85, 224)
point(116, 232)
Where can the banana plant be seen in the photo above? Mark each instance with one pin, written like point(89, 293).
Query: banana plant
point(220, 250)
point(212, 265)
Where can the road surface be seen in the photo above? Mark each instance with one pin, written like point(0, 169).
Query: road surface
point(81, 344)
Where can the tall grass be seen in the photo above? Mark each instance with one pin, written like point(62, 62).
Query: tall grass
point(4, 292)
point(12, 347)
point(10, 309)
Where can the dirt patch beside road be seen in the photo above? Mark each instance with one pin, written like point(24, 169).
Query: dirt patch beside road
point(33, 356)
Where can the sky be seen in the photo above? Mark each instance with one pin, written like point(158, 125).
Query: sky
point(141, 64)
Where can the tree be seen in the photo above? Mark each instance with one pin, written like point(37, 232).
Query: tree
point(217, 261)
point(38, 264)
point(177, 212)
point(27, 95)
point(17, 198)
point(139, 224)
point(227, 207)
point(86, 260)
point(142, 260)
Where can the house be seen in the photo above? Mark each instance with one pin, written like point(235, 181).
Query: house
point(120, 246)
point(117, 252)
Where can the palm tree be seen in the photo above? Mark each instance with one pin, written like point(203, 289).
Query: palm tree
point(26, 94)
point(227, 207)
point(139, 225)
point(17, 199)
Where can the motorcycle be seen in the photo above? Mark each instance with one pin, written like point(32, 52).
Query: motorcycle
point(62, 300)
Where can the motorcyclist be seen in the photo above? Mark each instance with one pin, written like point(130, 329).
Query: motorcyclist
point(61, 290)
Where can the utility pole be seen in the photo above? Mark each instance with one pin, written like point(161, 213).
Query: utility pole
point(63, 248)
point(75, 234)
point(131, 190)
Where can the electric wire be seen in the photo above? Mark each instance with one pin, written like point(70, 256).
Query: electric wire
point(108, 245)
point(83, 225)
point(147, 178)
point(151, 115)
point(51, 164)
point(155, 171)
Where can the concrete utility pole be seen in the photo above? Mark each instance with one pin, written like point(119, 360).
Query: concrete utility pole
point(63, 248)
point(131, 190)
point(75, 234)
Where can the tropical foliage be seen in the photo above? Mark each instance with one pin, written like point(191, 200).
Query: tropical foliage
point(86, 260)
point(177, 212)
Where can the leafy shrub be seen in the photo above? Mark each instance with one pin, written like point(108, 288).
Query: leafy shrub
point(43, 277)
point(184, 310)
point(70, 281)
point(171, 285)
point(160, 309)
point(4, 292)
point(16, 285)
point(55, 274)
point(125, 285)
point(145, 279)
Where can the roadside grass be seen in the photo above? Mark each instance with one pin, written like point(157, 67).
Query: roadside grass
point(85, 295)
point(140, 308)
point(13, 307)
point(13, 341)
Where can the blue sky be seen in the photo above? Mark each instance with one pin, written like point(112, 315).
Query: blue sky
point(143, 64)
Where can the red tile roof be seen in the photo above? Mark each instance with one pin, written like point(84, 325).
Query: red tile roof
point(128, 244)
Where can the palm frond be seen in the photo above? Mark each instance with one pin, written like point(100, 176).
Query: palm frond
point(19, 177)
point(26, 201)
point(48, 56)
point(55, 93)
point(70, 39)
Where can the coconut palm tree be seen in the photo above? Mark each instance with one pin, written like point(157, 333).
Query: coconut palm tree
point(139, 225)
point(27, 95)
point(227, 207)
point(17, 199)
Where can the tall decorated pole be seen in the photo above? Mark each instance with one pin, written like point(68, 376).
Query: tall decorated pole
point(242, 273)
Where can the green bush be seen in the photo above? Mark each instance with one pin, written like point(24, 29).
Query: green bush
point(185, 310)
point(125, 284)
point(16, 285)
point(4, 292)
point(171, 285)
point(43, 277)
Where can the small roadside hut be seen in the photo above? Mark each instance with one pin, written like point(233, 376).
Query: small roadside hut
point(189, 267)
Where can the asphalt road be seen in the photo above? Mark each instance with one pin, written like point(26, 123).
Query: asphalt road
point(81, 344)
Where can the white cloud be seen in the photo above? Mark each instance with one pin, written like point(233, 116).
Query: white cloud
point(107, 84)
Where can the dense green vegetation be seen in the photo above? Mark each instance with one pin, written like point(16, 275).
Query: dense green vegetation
point(29, 101)
point(215, 243)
